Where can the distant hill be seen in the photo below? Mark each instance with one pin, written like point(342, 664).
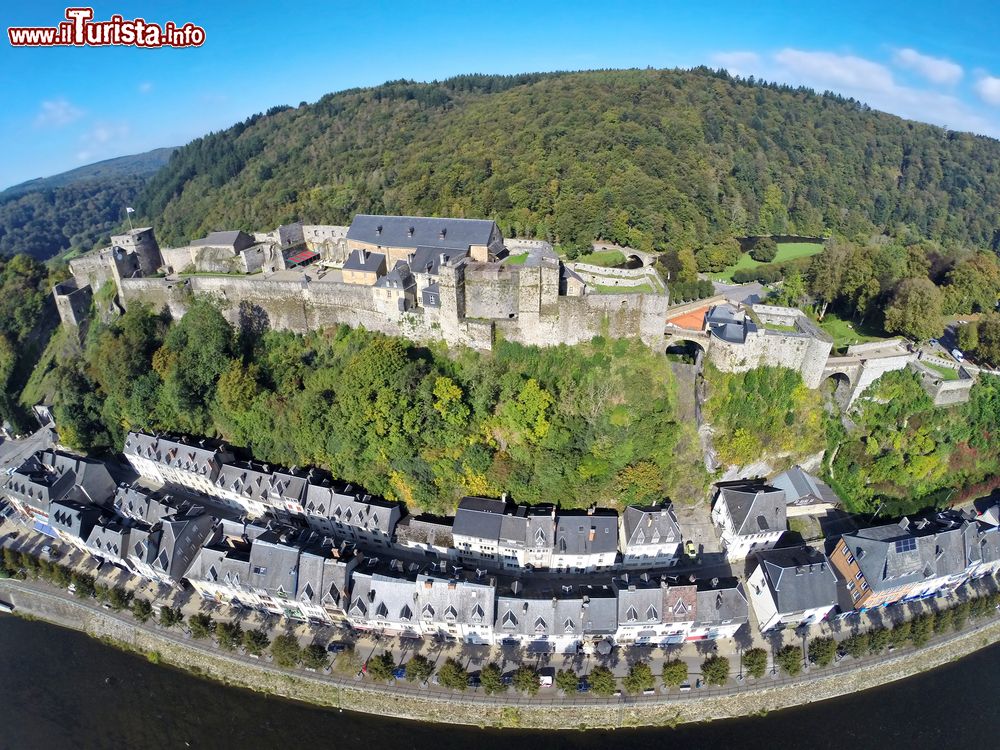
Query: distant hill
point(639, 157)
point(136, 165)
point(76, 209)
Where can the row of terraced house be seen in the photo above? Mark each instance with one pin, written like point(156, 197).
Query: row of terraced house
point(307, 548)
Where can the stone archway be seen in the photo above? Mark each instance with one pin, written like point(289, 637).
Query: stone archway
point(839, 386)
point(682, 349)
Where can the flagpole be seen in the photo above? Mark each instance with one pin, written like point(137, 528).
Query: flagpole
point(128, 215)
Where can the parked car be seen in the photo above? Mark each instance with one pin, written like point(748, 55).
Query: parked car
point(583, 686)
point(399, 673)
point(474, 681)
point(336, 647)
point(957, 354)
point(691, 549)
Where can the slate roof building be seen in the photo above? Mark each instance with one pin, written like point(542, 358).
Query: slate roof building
point(649, 536)
point(299, 576)
point(549, 617)
point(791, 586)
point(398, 237)
point(721, 609)
point(165, 459)
point(235, 240)
point(804, 493)
point(476, 531)
point(906, 560)
point(751, 516)
point(640, 610)
point(52, 476)
point(585, 541)
point(363, 267)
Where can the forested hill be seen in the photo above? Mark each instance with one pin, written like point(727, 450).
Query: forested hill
point(643, 157)
point(76, 209)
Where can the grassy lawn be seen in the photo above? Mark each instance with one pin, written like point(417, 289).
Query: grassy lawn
point(641, 289)
point(786, 251)
point(845, 333)
point(516, 260)
point(946, 373)
point(777, 327)
point(603, 258)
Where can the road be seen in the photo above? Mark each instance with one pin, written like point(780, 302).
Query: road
point(14, 452)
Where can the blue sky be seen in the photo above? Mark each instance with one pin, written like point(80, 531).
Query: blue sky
point(64, 107)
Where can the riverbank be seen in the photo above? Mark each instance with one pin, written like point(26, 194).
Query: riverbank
point(409, 702)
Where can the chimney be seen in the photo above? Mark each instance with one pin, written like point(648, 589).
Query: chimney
point(444, 231)
point(409, 232)
point(593, 531)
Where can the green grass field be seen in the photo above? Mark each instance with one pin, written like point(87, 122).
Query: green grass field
point(786, 251)
point(516, 260)
point(845, 333)
point(946, 373)
point(603, 258)
point(641, 289)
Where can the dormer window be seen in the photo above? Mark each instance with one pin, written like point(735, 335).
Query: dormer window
point(442, 233)
point(378, 230)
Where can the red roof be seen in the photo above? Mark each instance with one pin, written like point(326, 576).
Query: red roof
point(302, 256)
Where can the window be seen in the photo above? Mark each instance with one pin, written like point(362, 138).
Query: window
point(850, 585)
point(860, 575)
point(864, 585)
point(850, 557)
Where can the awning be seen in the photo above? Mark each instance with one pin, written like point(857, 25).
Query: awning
point(301, 257)
point(45, 529)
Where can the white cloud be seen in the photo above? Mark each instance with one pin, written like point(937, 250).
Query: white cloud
point(57, 113)
point(145, 87)
point(101, 139)
point(737, 62)
point(988, 88)
point(836, 70)
point(934, 69)
point(873, 83)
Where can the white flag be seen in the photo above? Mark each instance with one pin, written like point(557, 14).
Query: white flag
point(129, 210)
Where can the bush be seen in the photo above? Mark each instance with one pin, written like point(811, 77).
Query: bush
point(255, 641)
point(526, 679)
point(822, 651)
point(418, 668)
point(453, 675)
point(944, 620)
point(639, 678)
point(567, 681)
point(142, 610)
point(602, 682)
point(201, 625)
point(755, 662)
point(382, 666)
point(764, 250)
point(675, 672)
point(285, 650)
point(229, 635)
point(856, 645)
point(898, 636)
point(789, 658)
point(715, 670)
point(314, 657)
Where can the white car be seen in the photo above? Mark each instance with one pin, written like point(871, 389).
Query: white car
point(958, 355)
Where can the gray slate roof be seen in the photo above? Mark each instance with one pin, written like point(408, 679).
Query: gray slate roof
point(586, 534)
point(73, 519)
point(429, 259)
point(394, 231)
point(224, 239)
point(654, 524)
point(361, 260)
point(802, 488)
point(755, 507)
point(479, 517)
point(201, 459)
point(398, 278)
point(720, 600)
point(799, 578)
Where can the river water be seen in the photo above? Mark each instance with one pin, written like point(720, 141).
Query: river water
point(61, 689)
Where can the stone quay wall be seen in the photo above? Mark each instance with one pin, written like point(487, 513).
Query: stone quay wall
point(402, 700)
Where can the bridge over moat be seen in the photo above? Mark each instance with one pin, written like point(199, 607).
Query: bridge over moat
point(863, 365)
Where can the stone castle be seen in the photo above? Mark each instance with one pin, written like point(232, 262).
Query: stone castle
point(428, 279)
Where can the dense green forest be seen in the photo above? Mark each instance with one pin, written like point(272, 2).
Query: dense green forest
point(572, 425)
point(640, 157)
point(75, 210)
point(27, 318)
point(906, 455)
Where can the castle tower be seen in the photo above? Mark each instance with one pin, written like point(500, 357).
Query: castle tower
point(141, 242)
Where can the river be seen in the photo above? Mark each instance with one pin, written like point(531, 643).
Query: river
point(61, 689)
